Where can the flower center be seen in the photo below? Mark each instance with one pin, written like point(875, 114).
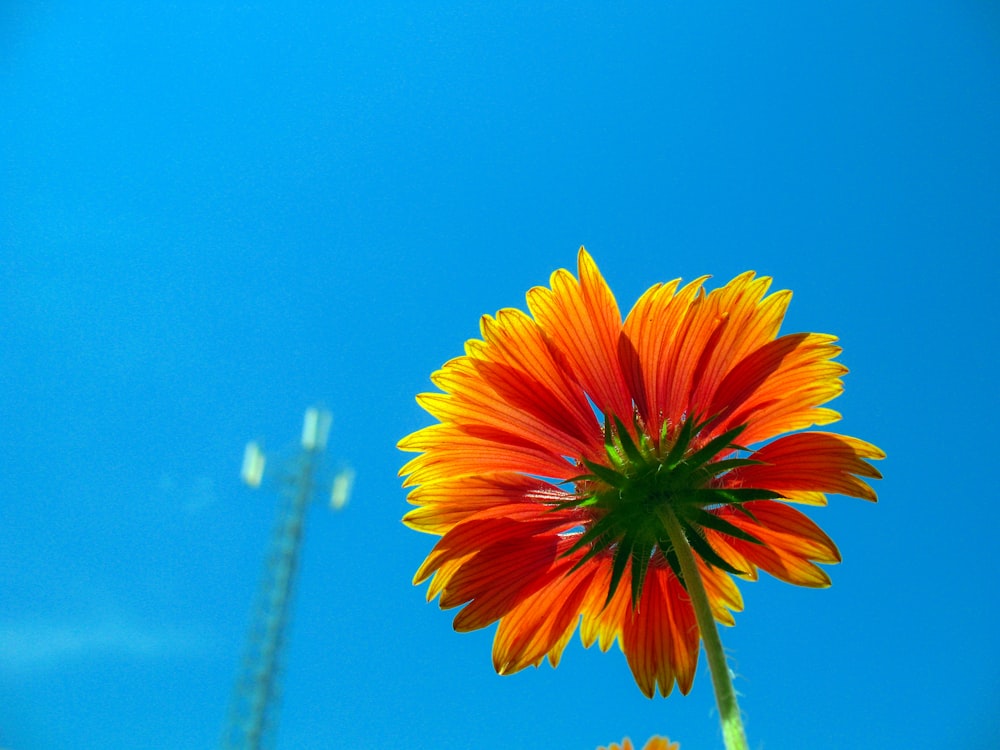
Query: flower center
point(645, 482)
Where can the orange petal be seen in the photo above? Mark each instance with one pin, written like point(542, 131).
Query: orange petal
point(601, 623)
point(446, 503)
point(507, 400)
point(812, 462)
point(660, 638)
point(581, 318)
point(495, 580)
point(511, 560)
point(500, 525)
point(657, 328)
point(740, 319)
point(653, 743)
point(513, 340)
point(451, 452)
point(720, 328)
point(643, 344)
point(778, 387)
point(541, 624)
point(723, 596)
point(790, 542)
point(661, 743)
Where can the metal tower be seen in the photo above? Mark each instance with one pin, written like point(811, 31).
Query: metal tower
point(254, 707)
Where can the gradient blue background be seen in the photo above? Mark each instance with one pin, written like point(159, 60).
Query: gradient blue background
point(215, 214)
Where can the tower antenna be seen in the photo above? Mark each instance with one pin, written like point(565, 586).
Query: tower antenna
point(253, 710)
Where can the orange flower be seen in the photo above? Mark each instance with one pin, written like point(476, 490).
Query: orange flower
point(655, 743)
point(566, 437)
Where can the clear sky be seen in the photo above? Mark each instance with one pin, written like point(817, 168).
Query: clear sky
point(215, 214)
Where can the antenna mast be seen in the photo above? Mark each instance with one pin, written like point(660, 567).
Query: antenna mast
point(254, 707)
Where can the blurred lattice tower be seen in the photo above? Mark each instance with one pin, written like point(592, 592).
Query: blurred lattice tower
point(253, 710)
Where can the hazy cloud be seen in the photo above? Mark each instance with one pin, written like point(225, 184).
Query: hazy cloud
point(31, 645)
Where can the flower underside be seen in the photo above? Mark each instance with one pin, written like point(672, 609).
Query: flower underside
point(628, 500)
point(543, 511)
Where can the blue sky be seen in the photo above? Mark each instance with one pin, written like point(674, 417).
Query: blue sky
point(215, 214)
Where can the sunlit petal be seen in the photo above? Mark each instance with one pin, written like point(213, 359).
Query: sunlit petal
point(563, 437)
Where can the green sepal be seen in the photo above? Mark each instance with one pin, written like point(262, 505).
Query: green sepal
point(604, 474)
point(575, 502)
point(679, 448)
point(737, 495)
point(609, 435)
point(702, 517)
point(675, 565)
point(628, 445)
point(578, 478)
point(610, 447)
point(614, 458)
point(663, 432)
point(728, 464)
point(714, 446)
point(620, 560)
point(593, 552)
point(640, 564)
point(705, 551)
point(729, 495)
point(602, 530)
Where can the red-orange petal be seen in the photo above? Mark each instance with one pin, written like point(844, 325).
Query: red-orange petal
point(513, 341)
point(780, 387)
point(511, 565)
point(450, 451)
point(654, 743)
point(791, 542)
point(812, 462)
point(657, 329)
point(733, 321)
point(723, 595)
point(660, 637)
point(446, 503)
point(542, 623)
point(502, 525)
point(518, 408)
point(582, 319)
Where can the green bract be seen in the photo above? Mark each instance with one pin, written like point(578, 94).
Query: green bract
point(629, 498)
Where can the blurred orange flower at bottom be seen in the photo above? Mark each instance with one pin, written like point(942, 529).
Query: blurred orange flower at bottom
point(655, 743)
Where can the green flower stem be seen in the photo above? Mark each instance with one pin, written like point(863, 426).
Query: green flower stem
point(725, 695)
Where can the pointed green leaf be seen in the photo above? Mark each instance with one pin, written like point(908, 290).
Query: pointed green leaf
point(705, 551)
point(603, 528)
point(575, 502)
point(714, 446)
point(609, 435)
point(628, 445)
point(680, 446)
point(640, 564)
point(621, 558)
point(606, 475)
point(595, 550)
point(675, 565)
point(700, 517)
point(646, 445)
point(614, 458)
point(664, 428)
point(728, 464)
point(729, 495)
point(736, 495)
